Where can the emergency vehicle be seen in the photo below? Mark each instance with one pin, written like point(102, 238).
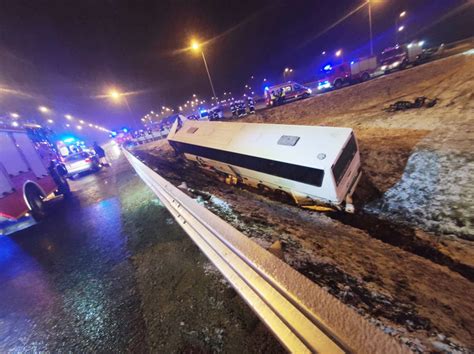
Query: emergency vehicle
point(347, 73)
point(310, 165)
point(216, 113)
point(288, 91)
point(30, 173)
point(400, 56)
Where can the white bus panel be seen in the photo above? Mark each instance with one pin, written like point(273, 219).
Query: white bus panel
point(315, 165)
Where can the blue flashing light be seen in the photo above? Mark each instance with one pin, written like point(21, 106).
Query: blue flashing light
point(267, 88)
point(69, 140)
point(327, 67)
point(125, 130)
point(113, 134)
point(352, 62)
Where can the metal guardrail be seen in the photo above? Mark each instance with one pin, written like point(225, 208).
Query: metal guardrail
point(303, 316)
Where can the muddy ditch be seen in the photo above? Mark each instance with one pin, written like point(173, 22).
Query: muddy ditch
point(403, 237)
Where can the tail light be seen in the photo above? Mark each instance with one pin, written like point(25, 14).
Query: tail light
point(87, 159)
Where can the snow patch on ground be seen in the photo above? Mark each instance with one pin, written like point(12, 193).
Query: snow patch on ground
point(435, 193)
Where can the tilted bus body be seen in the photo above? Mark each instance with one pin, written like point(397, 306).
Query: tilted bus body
point(314, 165)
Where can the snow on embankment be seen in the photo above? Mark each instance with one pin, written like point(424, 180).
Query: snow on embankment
point(436, 192)
point(449, 79)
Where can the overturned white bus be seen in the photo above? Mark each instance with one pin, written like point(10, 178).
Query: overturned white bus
point(311, 164)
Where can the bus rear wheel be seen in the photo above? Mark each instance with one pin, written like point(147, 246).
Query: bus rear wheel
point(284, 197)
point(35, 200)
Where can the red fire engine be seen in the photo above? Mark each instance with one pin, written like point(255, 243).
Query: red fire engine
point(29, 173)
point(347, 73)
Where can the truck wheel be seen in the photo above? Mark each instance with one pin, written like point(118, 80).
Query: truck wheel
point(338, 84)
point(36, 202)
point(365, 77)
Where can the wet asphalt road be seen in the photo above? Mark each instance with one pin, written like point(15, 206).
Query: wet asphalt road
point(109, 270)
point(66, 282)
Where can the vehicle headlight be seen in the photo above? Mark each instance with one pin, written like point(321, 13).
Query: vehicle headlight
point(383, 67)
point(395, 64)
point(310, 91)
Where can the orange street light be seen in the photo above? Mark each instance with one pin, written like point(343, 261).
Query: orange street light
point(114, 94)
point(195, 45)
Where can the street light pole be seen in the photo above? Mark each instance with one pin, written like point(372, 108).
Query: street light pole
point(370, 30)
point(208, 74)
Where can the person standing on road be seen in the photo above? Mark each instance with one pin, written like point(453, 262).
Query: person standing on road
point(101, 154)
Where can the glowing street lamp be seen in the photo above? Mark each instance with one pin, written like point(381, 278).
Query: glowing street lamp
point(401, 28)
point(43, 109)
point(403, 13)
point(339, 53)
point(50, 121)
point(14, 115)
point(114, 94)
point(68, 117)
point(15, 124)
point(197, 47)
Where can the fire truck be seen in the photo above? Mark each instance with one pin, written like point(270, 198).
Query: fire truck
point(347, 73)
point(400, 56)
point(30, 173)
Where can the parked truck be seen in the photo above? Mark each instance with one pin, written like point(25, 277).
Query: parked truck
point(347, 73)
point(401, 56)
point(30, 173)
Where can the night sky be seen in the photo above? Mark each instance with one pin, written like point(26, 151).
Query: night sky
point(65, 53)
